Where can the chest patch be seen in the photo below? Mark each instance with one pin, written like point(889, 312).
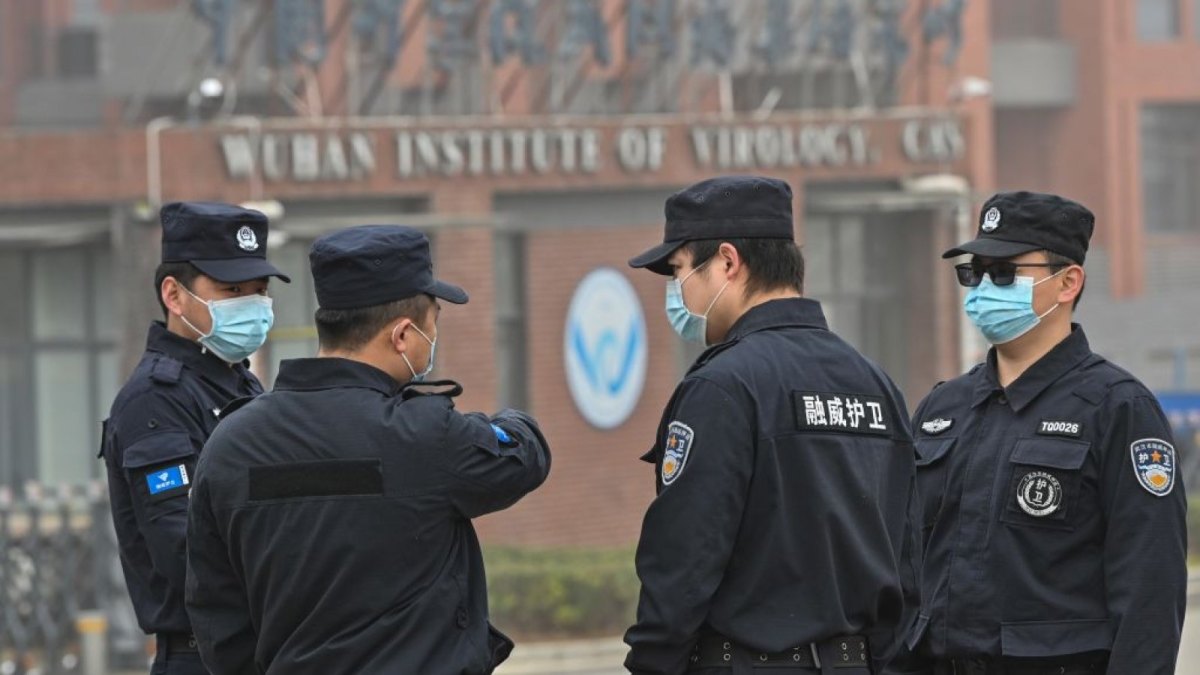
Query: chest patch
point(1060, 428)
point(1039, 494)
point(676, 449)
point(936, 426)
point(845, 413)
point(1154, 465)
point(168, 481)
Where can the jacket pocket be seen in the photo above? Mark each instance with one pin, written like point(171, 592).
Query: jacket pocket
point(930, 450)
point(1045, 481)
point(932, 473)
point(1040, 639)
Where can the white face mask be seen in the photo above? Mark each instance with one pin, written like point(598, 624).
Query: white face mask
point(239, 325)
point(1005, 313)
point(689, 326)
point(419, 377)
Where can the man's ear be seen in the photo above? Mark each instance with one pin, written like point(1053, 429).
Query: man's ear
point(729, 260)
point(171, 292)
point(396, 337)
point(1071, 284)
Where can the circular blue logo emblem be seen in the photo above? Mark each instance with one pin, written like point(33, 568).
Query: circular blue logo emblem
point(604, 347)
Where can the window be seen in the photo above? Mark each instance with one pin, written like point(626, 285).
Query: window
point(1171, 168)
point(58, 362)
point(1025, 19)
point(512, 363)
point(1158, 20)
point(294, 334)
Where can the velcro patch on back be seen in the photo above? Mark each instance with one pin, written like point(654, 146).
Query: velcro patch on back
point(328, 478)
point(843, 413)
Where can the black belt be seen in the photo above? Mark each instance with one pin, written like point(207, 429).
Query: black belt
point(714, 651)
point(1020, 667)
point(176, 642)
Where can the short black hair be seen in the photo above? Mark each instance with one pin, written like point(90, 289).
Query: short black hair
point(184, 272)
point(1063, 261)
point(773, 264)
point(352, 329)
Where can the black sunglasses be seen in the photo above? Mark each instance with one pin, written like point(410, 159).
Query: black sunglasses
point(1003, 273)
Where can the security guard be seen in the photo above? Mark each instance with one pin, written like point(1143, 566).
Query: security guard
point(212, 285)
point(783, 536)
point(331, 526)
point(1053, 522)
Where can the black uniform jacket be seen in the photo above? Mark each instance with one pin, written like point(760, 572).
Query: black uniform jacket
point(785, 508)
point(330, 527)
point(1053, 515)
point(155, 430)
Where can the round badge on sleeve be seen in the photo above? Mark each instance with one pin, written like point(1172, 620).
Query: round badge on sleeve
point(1039, 494)
point(1154, 465)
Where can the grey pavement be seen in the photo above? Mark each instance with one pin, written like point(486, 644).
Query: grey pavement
point(604, 656)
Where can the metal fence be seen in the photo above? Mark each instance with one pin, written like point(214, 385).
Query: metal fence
point(63, 607)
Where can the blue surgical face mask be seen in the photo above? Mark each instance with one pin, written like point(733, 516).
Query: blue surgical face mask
point(689, 326)
point(419, 377)
point(239, 326)
point(1004, 313)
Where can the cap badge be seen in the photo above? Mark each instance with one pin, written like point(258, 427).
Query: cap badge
point(991, 220)
point(246, 239)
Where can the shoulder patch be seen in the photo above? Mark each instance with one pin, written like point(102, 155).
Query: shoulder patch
point(1154, 465)
point(676, 449)
point(937, 425)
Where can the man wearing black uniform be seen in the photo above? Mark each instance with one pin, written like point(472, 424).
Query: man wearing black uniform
point(212, 285)
point(781, 538)
point(1054, 527)
point(331, 526)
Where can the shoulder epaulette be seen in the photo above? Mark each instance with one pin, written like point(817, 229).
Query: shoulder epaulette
point(709, 354)
point(166, 370)
point(234, 406)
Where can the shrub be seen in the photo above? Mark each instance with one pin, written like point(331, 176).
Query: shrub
point(561, 593)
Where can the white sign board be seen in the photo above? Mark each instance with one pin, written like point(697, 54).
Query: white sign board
point(604, 348)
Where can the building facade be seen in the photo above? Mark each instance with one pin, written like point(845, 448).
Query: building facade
point(535, 142)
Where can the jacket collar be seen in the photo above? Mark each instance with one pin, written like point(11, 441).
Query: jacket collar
point(194, 356)
point(1062, 359)
point(800, 312)
point(332, 373)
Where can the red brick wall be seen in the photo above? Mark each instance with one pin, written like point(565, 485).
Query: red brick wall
point(598, 488)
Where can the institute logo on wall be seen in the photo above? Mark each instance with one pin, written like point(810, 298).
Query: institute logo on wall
point(604, 347)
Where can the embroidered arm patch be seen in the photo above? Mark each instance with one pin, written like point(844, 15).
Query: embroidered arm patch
point(1154, 465)
point(167, 482)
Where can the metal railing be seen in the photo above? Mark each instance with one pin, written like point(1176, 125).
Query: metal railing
point(63, 606)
